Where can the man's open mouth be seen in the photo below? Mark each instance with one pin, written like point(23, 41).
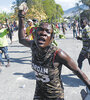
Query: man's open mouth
point(41, 40)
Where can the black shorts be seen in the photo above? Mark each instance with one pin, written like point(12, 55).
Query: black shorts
point(43, 98)
point(39, 94)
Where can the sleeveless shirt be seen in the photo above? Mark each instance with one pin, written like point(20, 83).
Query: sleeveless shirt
point(48, 81)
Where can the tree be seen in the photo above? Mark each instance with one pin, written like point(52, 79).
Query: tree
point(86, 14)
point(3, 15)
point(40, 9)
point(79, 11)
point(86, 2)
point(36, 9)
point(59, 11)
point(49, 7)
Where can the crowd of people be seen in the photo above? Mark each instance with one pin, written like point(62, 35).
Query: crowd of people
point(74, 26)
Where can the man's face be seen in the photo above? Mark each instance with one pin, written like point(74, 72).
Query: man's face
point(43, 35)
point(29, 23)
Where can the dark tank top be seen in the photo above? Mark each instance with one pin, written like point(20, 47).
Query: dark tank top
point(47, 71)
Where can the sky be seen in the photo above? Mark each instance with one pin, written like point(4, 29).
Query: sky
point(5, 5)
point(66, 4)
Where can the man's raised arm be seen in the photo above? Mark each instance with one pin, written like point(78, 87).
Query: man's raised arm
point(21, 34)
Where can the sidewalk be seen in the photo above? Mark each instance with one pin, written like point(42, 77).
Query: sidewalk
point(17, 82)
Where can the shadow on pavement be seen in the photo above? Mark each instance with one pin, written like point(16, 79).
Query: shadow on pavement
point(22, 60)
point(70, 80)
point(30, 75)
point(27, 51)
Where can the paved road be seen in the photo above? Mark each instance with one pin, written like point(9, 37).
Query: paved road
point(17, 82)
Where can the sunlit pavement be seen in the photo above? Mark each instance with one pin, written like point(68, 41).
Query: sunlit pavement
point(17, 82)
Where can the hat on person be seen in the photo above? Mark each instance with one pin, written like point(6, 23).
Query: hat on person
point(29, 20)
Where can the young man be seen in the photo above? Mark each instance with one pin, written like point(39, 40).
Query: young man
point(85, 52)
point(47, 61)
point(74, 26)
point(4, 45)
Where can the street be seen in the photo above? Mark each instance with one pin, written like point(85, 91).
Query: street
point(17, 82)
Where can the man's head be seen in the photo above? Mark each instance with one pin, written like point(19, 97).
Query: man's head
point(30, 22)
point(44, 35)
point(83, 22)
point(35, 21)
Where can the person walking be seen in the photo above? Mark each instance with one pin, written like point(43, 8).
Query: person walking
point(63, 28)
point(4, 45)
point(47, 61)
point(74, 29)
point(85, 52)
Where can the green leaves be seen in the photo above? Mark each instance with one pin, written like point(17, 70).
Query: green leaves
point(54, 43)
point(41, 9)
point(86, 2)
point(3, 15)
point(86, 14)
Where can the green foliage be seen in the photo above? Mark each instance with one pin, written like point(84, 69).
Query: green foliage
point(86, 2)
point(54, 43)
point(86, 14)
point(3, 15)
point(76, 17)
point(36, 3)
point(50, 8)
point(43, 9)
point(56, 30)
point(59, 11)
point(61, 36)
